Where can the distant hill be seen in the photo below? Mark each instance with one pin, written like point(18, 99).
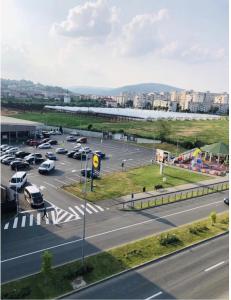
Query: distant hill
point(136, 88)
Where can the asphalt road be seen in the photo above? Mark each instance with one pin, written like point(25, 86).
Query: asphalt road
point(199, 273)
point(22, 246)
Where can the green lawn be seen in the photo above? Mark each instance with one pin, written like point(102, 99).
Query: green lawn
point(207, 131)
point(132, 181)
point(115, 260)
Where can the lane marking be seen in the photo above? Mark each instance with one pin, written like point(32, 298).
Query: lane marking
point(7, 225)
point(31, 220)
point(52, 185)
point(214, 266)
point(155, 295)
point(80, 210)
point(15, 222)
point(92, 207)
point(87, 210)
point(107, 232)
point(23, 221)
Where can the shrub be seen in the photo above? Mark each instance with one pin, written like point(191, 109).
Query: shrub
point(213, 217)
point(17, 294)
point(198, 229)
point(158, 186)
point(169, 239)
point(46, 262)
point(225, 220)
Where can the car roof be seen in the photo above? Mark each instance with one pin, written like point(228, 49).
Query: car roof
point(18, 174)
point(32, 189)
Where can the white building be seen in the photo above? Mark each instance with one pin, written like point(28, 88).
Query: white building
point(67, 99)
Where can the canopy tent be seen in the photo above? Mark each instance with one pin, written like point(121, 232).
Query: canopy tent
point(219, 149)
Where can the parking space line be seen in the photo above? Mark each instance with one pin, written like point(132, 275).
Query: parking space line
point(50, 184)
point(23, 221)
point(31, 220)
point(71, 179)
point(63, 182)
point(15, 222)
point(87, 210)
point(92, 207)
point(80, 210)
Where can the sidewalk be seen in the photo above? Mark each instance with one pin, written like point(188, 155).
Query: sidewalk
point(174, 189)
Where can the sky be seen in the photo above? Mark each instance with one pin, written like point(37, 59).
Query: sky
point(111, 43)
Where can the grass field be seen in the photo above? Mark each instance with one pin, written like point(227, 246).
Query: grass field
point(123, 183)
point(207, 131)
point(115, 260)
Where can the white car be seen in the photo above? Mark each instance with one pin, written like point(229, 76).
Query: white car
point(12, 150)
point(77, 147)
point(4, 156)
point(45, 146)
point(3, 146)
point(46, 167)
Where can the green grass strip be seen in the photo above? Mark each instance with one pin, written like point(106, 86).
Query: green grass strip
point(115, 260)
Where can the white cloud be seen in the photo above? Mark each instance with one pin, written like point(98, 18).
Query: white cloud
point(141, 35)
point(90, 20)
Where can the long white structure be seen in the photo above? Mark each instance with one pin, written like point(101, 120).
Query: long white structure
point(136, 113)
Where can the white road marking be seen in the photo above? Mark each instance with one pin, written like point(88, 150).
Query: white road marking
point(87, 210)
point(47, 220)
point(38, 219)
point(214, 266)
point(15, 222)
point(99, 207)
point(52, 185)
point(92, 207)
point(42, 187)
point(7, 225)
point(62, 216)
point(63, 182)
point(108, 232)
point(31, 220)
point(23, 221)
point(73, 171)
point(155, 295)
point(73, 211)
point(53, 217)
point(62, 163)
point(71, 179)
point(80, 210)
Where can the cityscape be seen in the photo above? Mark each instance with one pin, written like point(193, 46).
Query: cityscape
point(115, 149)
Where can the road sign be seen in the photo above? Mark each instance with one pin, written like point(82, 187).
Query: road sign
point(96, 161)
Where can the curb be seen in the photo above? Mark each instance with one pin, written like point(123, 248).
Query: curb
point(143, 265)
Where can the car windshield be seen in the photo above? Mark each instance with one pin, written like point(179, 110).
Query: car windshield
point(37, 197)
point(45, 165)
point(15, 180)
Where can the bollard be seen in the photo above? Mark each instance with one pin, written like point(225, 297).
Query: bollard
point(132, 196)
point(144, 189)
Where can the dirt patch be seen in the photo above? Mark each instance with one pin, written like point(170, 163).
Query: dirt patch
point(8, 112)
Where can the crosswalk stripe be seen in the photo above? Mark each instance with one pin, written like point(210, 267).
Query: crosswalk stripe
point(58, 211)
point(47, 220)
point(92, 207)
point(71, 216)
point(73, 211)
point(63, 216)
point(15, 222)
point(87, 210)
point(23, 221)
point(99, 207)
point(31, 220)
point(38, 219)
point(53, 217)
point(80, 210)
point(7, 225)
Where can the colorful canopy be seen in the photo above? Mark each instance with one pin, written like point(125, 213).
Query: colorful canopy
point(217, 148)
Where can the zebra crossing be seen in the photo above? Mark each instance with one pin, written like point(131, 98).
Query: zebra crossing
point(55, 215)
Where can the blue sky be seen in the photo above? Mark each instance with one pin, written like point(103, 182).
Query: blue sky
point(113, 43)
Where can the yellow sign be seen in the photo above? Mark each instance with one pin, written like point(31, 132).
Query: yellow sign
point(95, 161)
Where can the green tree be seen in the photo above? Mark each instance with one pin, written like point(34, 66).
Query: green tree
point(213, 217)
point(46, 263)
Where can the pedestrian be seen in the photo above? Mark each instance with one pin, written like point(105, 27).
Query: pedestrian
point(44, 213)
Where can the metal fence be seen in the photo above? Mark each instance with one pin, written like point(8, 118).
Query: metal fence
point(171, 197)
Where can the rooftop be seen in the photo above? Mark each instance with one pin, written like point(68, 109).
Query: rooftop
point(13, 121)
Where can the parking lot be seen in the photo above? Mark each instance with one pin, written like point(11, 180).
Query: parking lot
point(67, 170)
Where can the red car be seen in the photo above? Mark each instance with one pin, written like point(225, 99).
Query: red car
point(82, 140)
point(33, 142)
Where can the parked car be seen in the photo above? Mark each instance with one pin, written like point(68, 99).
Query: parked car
point(19, 165)
point(50, 156)
point(61, 150)
point(46, 140)
point(33, 142)
point(8, 160)
point(71, 138)
point(21, 154)
point(81, 155)
point(7, 148)
point(226, 200)
point(82, 140)
point(12, 150)
point(88, 173)
point(46, 167)
point(53, 142)
point(34, 158)
point(100, 153)
point(77, 147)
point(44, 146)
point(71, 153)
point(87, 150)
point(33, 195)
point(3, 146)
point(45, 134)
point(18, 180)
point(4, 156)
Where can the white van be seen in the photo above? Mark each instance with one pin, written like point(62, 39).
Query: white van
point(46, 167)
point(33, 195)
point(18, 180)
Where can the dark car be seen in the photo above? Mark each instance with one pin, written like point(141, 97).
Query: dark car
point(19, 165)
point(226, 201)
point(81, 155)
point(45, 134)
point(46, 140)
point(71, 138)
point(101, 154)
point(88, 173)
point(50, 156)
point(8, 160)
point(21, 154)
point(61, 150)
point(34, 158)
point(82, 140)
point(71, 153)
point(53, 142)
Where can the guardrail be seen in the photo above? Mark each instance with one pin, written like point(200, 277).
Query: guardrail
point(171, 197)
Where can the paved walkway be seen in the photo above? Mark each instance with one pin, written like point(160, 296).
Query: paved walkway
point(174, 189)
